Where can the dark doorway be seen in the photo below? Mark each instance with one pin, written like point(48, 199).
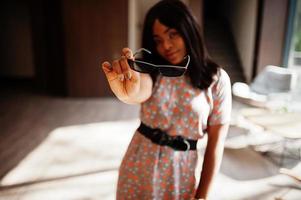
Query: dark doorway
point(220, 41)
point(31, 46)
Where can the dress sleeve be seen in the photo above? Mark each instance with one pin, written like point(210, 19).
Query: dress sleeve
point(222, 100)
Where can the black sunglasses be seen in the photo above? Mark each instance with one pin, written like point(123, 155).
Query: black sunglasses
point(166, 70)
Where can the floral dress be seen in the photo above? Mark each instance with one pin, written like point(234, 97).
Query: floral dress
point(150, 171)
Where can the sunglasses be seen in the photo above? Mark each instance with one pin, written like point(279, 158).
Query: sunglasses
point(166, 70)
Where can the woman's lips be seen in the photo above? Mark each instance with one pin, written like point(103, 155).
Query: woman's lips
point(171, 56)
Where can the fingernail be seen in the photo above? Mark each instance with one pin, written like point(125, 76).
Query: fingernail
point(121, 77)
point(107, 64)
point(128, 55)
point(128, 75)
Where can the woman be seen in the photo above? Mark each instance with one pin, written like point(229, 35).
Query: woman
point(176, 110)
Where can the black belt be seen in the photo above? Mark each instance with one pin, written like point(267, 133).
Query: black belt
point(160, 137)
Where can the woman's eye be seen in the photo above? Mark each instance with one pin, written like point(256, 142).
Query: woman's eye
point(173, 34)
point(157, 41)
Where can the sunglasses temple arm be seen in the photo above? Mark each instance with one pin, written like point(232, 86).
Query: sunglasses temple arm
point(187, 61)
point(140, 50)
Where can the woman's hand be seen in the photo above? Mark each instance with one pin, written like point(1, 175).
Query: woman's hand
point(123, 81)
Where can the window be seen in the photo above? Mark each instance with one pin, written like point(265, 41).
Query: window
point(294, 55)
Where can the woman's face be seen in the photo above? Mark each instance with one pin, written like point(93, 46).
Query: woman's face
point(169, 43)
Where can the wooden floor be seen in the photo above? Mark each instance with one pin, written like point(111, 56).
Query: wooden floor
point(27, 119)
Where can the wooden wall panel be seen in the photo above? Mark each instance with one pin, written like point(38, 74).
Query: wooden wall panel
point(94, 31)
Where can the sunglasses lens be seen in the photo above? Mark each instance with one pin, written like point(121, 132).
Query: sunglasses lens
point(171, 71)
point(143, 64)
point(140, 66)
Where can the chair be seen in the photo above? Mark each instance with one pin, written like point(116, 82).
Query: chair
point(273, 82)
point(271, 91)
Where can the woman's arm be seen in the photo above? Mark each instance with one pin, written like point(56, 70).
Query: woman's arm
point(212, 160)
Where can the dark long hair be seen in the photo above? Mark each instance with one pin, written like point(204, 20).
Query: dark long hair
point(175, 14)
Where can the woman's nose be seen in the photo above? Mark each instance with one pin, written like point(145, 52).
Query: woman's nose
point(167, 44)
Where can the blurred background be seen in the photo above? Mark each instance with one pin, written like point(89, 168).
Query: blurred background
point(58, 117)
point(57, 46)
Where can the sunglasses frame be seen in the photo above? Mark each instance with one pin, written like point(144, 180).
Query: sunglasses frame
point(157, 67)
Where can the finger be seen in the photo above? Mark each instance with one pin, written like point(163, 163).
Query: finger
point(127, 52)
point(125, 67)
point(108, 70)
point(106, 66)
point(117, 69)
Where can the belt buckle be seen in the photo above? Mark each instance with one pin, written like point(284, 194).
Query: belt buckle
point(185, 141)
point(187, 144)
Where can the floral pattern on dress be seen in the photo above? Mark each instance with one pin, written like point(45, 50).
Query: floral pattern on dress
point(150, 171)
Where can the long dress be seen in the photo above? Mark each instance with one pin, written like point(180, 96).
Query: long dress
point(150, 171)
